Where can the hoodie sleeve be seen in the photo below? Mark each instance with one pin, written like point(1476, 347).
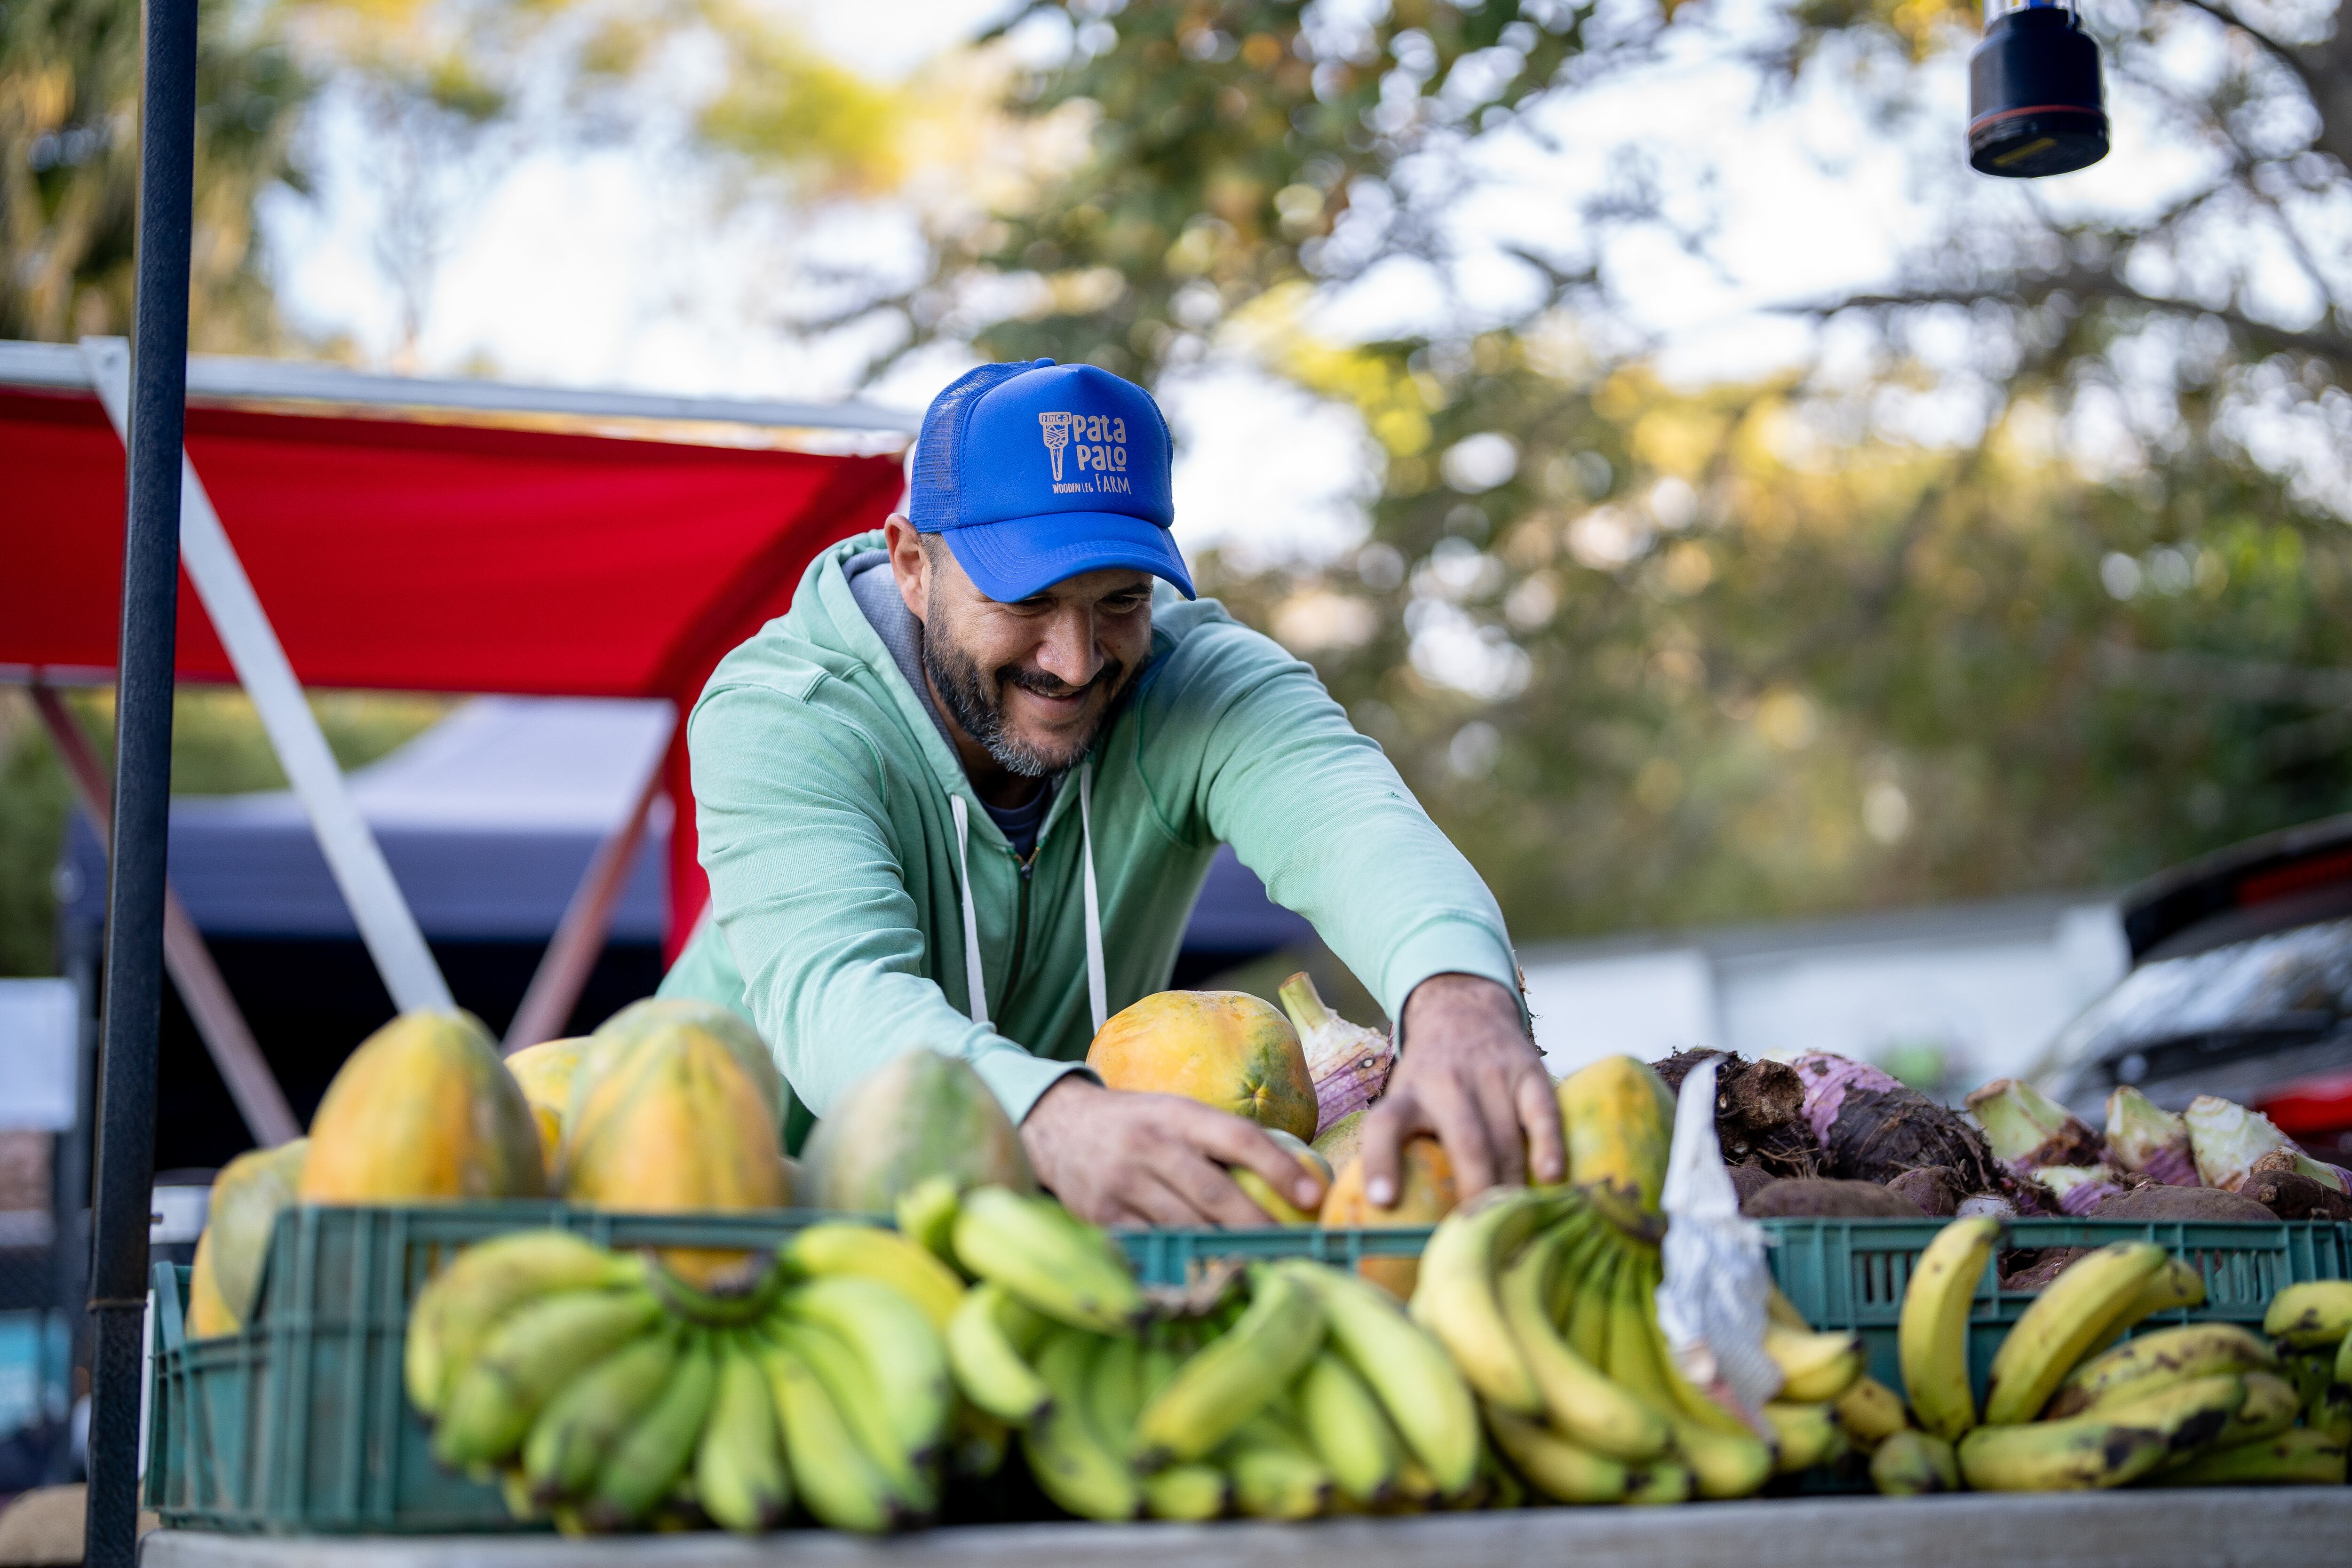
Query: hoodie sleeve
point(807, 895)
point(1241, 743)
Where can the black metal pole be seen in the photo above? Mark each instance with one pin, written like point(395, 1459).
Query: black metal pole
point(143, 777)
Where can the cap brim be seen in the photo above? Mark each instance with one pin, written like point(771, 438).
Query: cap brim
point(1013, 561)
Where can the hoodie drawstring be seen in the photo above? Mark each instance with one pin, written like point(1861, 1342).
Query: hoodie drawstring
point(1097, 987)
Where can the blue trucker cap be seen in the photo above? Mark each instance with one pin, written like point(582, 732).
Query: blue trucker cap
point(1036, 472)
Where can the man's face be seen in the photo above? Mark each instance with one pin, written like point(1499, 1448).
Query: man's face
point(1032, 682)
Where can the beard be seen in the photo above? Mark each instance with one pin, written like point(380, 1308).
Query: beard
point(975, 700)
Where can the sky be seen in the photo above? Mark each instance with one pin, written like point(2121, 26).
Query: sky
point(604, 265)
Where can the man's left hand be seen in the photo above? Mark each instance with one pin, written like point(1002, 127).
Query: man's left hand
point(1468, 1072)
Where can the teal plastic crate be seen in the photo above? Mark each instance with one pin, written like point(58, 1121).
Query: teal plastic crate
point(1179, 1257)
point(300, 1425)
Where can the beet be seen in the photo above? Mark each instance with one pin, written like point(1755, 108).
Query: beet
point(1934, 1188)
point(1822, 1200)
point(2181, 1203)
point(1872, 1128)
point(1759, 1111)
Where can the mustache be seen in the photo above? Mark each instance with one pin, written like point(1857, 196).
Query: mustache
point(1040, 683)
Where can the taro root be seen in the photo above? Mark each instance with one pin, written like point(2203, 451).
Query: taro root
point(1935, 1189)
point(1820, 1199)
point(2027, 1130)
point(2282, 1181)
point(2185, 1204)
point(2144, 1136)
point(2030, 1273)
point(1759, 1110)
point(1872, 1128)
point(1747, 1180)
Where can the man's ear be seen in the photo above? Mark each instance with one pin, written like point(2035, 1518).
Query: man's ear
point(911, 563)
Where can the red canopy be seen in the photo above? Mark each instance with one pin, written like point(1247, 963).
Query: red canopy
point(405, 556)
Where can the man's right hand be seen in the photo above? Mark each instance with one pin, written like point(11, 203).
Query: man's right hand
point(1117, 1157)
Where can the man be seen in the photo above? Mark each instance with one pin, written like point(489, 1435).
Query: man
point(962, 795)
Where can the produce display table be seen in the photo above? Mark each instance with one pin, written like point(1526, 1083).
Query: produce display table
point(2270, 1528)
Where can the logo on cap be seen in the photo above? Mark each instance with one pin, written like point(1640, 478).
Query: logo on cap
point(1098, 442)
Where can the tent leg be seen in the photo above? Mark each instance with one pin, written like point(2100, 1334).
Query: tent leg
point(198, 980)
point(133, 993)
point(579, 939)
point(386, 925)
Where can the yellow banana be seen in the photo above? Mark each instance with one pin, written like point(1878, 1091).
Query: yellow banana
point(849, 1386)
point(987, 1340)
point(2315, 1313)
point(1932, 1335)
point(1276, 1476)
point(1075, 1464)
point(1722, 1464)
point(1345, 1425)
point(581, 1422)
point(531, 1352)
point(1779, 1308)
point(1578, 1398)
point(1870, 1412)
point(2167, 1356)
point(1815, 1367)
point(2179, 1284)
point(2107, 1447)
point(840, 1484)
point(2297, 1456)
point(1237, 1375)
point(488, 1279)
point(869, 1252)
point(1561, 1470)
point(904, 1357)
point(1455, 1297)
point(1424, 1396)
point(1805, 1436)
point(2069, 1316)
point(925, 1215)
point(1909, 1462)
point(740, 1477)
point(1057, 1264)
point(650, 1456)
point(2271, 1407)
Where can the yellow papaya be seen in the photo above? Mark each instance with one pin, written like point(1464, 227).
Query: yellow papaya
point(1227, 1048)
point(732, 1030)
point(673, 1125)
point(246, 1198)
point(1618, 1120)
point(423, 1110)
point(1426, 1193)
point(918, 1116)
point(545, 1071)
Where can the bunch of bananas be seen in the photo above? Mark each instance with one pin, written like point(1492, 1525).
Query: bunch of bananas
point(2068, 1408)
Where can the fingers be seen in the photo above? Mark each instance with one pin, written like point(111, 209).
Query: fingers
point(1387, 1124)
point(1453, 1109)
point(1539, 1108)
point(1498, 1124)
point(1235, 1142)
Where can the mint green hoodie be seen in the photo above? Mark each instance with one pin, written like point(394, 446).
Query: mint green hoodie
point(822, 789)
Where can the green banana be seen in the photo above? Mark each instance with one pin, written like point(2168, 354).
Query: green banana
point(2169, 1355)
point(739, 1478)
point(2296, 1457)
point(531, 1352)
point(2108, 1447)
point(1723, 1463)
point(1046, 1256)
point(1425, 1397)
point(1661, 1483)
point(488, 1279)
point(977, 1442)
point(1276, 1475)
point(850, 1387)
point(1580, 1246)
point(582, 1421)
point(1586, 1327)
point(640, 1468)
point(1805, 1435)
point(1235, 1376)
point(1908, 1463)
point(1932, 1334)
point(1456, 1298)
point(904, 1357)
point(1114, 1390)
point(1580, 1400)
point(869, 1252)
point(2069, 1316)
point(1186, 1493)
point(1346, 1429)
point(926, 1214)
point(986, 1342)
point(2311, 1315)
point(841, 1485)
point(1075, 1464)
point(1562, 1471)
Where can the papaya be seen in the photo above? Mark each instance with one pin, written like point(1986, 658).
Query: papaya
point(1337, 1143)
point(1227, 1048)
point(423, 1110)
point(674, 1125)
point(919, 1114)
point(545, 1071)
point(1618, 1117)
point(246, 1198)
point(1426, 1193)
point(643, 1016)
point(1277, 1207)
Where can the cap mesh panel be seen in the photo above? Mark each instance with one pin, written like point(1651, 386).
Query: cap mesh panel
point(936, 493)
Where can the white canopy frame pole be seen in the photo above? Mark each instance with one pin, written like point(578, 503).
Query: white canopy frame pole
point(386, 925)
